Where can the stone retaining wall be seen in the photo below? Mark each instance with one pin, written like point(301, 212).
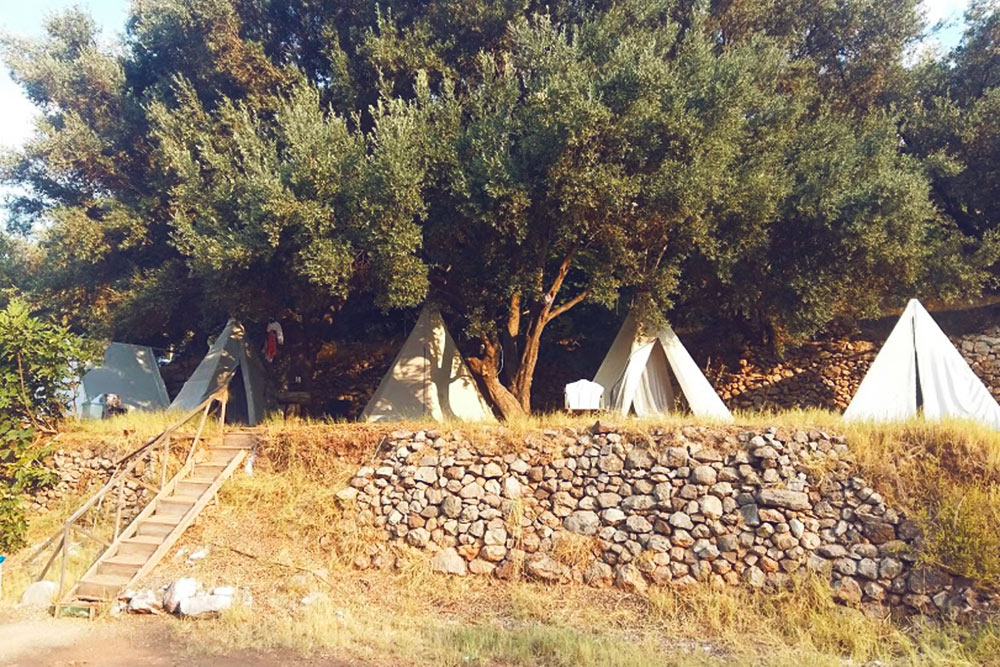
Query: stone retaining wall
point(86, 471)
point(716, 505)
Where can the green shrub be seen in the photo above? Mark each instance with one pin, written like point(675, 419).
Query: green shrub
point(37, 368)
point(961, 531)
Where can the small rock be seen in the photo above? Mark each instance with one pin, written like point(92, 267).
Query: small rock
point(418, 537)
point(511, 488)
point(492, 470)
point(471, 491)
point(639, 458)
point(927, 580)
point(638, 524)
point(681, 520)
point(704, 474)
point(711, 507)
point(793, 500)
point(451, 506)
point(39, 595)
point(447, 561)
point(426, 474)
point(847, 590)
point(543, 567)
point(612, 516)
point(629, 578)
point(582, 522)
point(598, 574)
point(611, 464)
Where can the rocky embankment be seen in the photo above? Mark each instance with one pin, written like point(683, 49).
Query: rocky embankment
point(722, 506)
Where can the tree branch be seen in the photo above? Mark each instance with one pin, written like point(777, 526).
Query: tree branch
point(560, 276)
point(28, 410)
point(566, 306)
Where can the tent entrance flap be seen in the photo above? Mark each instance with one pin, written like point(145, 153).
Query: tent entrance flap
point(236, 409)
point(655, 375)
point(647, 383)
point(228, 357)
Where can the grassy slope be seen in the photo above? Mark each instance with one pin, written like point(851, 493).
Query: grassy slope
point(281, 534)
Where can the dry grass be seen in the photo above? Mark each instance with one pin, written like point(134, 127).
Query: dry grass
point(574, 550)
point(124, 433)
point(282, 534)
point(18, 574)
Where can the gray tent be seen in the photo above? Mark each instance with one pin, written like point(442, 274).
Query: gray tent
point(230, 357)
point(128, 371)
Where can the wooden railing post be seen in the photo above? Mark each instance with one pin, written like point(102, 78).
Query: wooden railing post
point(62, 566)
point(52, 559)
point(120, 503)
point(166, 458)
point(197, 435)
point(223, 402)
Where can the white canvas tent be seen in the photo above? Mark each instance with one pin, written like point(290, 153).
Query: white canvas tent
point(917, 357)
point(636, 374)
point(128, 371)
point(428, 379)
point(230, 357)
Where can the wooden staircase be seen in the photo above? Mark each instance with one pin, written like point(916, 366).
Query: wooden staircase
point(148, 538)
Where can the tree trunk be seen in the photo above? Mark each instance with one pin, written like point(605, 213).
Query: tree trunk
point(487, 370)
point(509, 335)
point(529, 359)
point(516, 401)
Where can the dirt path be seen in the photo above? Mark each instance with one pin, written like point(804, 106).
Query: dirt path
point(77, 643)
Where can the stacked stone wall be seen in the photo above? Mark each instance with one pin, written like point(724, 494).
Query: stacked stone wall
point(724, 507)
point(81, 471)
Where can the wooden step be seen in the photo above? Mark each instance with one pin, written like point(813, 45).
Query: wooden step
point(176, 506)
point(228, 450)
point(221, 455)
point(243, 439)
point(229, 447)
point(101, 586)
point(122, 564)
point(140, 545)
point(157, 526)
point(193, 487)
point(199, 479)
point(211, 470)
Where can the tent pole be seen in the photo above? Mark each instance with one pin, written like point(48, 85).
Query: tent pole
point(916, 367)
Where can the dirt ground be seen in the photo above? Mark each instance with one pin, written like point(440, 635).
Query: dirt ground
point(47, 642)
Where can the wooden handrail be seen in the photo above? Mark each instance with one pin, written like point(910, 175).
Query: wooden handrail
point(170, 429)
point(119, 475)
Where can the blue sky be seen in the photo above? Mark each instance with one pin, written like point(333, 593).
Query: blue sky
point(26, 18)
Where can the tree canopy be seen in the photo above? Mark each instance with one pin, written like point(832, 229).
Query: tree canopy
point(774, 166)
